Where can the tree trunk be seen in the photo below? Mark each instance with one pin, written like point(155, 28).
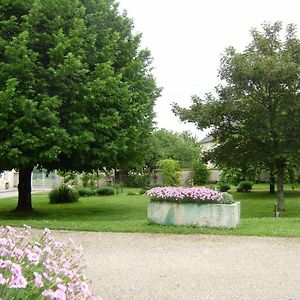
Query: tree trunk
point(24, 187)
point(272, 183)
point(280, 190)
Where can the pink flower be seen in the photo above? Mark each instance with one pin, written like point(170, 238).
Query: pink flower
point(34, 257)
point(18, 282)
point(59, 294)
point(48, 250)
point(16, 269)
point(48, 293)
point(38, 279)
point(199, 194)
point(62, 287)
point(5, 264)
point(84, 287)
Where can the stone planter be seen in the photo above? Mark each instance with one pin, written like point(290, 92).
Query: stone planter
point(204, 214)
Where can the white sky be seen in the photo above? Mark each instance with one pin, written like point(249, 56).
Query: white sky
point(187, 38)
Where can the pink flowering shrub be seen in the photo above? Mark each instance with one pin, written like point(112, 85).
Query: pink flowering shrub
point(181, 194)
point(40, 267)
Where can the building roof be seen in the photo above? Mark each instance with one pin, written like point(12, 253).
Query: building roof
point(207, 139)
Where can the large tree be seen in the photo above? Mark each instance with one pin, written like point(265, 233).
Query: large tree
point(76, 90)
point(254, 115)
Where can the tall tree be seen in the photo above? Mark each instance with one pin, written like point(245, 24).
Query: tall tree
point(76, 90)
point(254, 115)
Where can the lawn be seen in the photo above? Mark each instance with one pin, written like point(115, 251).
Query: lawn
point(128, 213)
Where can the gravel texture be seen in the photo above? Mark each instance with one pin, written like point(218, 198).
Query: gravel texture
point(154, 266)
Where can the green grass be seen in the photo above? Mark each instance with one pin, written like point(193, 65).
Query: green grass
point(128, 213)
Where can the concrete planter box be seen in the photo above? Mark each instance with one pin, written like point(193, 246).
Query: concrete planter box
point(204, 214)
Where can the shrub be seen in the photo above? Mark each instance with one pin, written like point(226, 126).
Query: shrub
point(63, 194)
point(200, 173)
point(171, 171)
point(245, 186)
point(86, 192)
point(223, 187)
point(40, 268)
point(89, 180)
point(135, 179)
point(105, 191)
point(227, 198)
point(143, 191)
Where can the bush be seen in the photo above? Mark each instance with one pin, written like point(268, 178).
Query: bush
point(86, 192)
point(63, 194)
point(223, 187)
point(245, 186)
point(40, 267)
point(171, 171)
point(200, 174)
point(143, 191)
point(136, 179)
point(227, 198)
point(105, 191)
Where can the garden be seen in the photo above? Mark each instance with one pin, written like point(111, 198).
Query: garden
point(126, 211)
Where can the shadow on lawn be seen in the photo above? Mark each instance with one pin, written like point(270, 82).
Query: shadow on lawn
point(16, 214)
point(69, 212)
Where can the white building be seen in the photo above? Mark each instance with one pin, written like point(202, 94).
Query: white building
point(9, 179)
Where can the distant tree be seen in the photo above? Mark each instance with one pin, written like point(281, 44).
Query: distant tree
point(76, 92)
point(255, 115)
point(182, 147)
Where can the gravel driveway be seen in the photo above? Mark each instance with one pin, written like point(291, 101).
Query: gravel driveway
point(153, 266)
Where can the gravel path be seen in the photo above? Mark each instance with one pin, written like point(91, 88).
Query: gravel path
point(154, 266)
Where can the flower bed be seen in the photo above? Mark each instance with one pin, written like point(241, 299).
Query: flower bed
point(40, 268)
point(181, 194)
point(197, 206)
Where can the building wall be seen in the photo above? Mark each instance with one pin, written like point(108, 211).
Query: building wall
point(7, 179)
point(157, 177)
point(215, 174)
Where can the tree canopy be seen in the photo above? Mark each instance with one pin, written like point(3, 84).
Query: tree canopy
point(76, 90)
point(182, 147)
point(254, 114)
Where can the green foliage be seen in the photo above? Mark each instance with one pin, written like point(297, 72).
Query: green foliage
point(70, 178)
point(227, 198)
point(245, 186)
point(63, 194)
point(200, 173)
point(137, 178)
point(105, 191)
point(86, 192)
point(255, 114)
point(76, 90)
point(143, 191)
point(171, 171)
point(89, 180)
point(223, 187)
point(182, 147)
point(235, 175)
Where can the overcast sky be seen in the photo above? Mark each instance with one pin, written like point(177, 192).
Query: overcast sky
point(187, 38)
